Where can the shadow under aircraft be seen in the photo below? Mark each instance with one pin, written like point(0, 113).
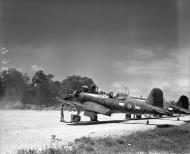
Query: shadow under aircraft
point(95, 103)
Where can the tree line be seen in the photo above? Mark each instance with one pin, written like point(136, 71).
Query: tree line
point(40, 89)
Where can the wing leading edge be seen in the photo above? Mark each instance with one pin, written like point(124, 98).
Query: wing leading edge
point(87, 106)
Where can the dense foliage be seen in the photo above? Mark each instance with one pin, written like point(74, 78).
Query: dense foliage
point(40, 89)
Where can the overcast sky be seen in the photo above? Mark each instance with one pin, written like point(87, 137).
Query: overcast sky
point(139, 44)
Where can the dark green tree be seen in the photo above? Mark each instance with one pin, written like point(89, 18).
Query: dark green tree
point(2, 89)
point(40, 89)
point(74, 82)
point(12, 85)
point(43, 88)
point(29, 91)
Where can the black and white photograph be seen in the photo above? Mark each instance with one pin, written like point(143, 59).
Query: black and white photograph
point(94, 76)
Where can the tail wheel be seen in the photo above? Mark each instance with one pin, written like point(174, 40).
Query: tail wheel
point(127, 116)
point(76, 118)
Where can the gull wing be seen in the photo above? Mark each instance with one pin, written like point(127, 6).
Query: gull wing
point(97, 108)
point(87, 106)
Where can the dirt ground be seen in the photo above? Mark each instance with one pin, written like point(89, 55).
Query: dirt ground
point(34, 129)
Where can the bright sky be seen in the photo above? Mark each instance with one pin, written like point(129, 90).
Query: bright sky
point(118, 43)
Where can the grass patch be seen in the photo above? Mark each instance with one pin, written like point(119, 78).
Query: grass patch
point(160, 140)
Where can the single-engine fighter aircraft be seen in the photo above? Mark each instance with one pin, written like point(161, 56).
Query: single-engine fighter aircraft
point(93, 104)
point(181, 107)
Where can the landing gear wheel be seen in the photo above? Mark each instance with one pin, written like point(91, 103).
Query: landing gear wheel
point(75, 118)
point(159, 116)
point(127, 116)
point(94, 118)
point(138, 116)
point(154, 116)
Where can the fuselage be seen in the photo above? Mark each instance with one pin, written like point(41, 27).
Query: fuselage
point(124, 106)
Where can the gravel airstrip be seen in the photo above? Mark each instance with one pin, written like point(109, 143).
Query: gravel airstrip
point(34, 128)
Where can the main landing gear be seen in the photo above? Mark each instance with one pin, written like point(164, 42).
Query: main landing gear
point(128, 116)
point(138, 116)
point(94, 118)
point(178, 117)
point(75, 118)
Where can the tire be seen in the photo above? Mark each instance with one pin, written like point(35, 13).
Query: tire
point(160, 116)
point(76, 118)
point(94, 118)
point(127, 116)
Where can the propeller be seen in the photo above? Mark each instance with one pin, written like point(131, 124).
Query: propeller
point(73, 95)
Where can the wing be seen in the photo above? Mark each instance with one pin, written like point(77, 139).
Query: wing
point(87, 106)
point(97, 108)
point(138, 98)
point(178, 109)
point(160, 111)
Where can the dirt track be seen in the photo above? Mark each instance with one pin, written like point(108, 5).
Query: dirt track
point(34, 129)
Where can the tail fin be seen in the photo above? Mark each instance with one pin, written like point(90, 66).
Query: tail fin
point(183, 102)
point(155, 98)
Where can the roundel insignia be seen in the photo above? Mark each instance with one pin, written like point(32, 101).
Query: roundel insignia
point(129, 106)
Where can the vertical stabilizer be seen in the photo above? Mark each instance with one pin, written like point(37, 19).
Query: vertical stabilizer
point(183, 102)
point(155, 98)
